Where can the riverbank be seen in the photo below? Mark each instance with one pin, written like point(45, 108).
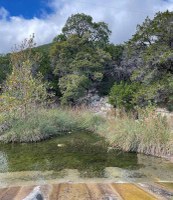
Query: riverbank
point(150, 134)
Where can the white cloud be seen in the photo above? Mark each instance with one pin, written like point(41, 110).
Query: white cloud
point(121, 15)
point(3, 13)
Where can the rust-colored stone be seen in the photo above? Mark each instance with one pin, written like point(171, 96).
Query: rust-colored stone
point(84, 191)
point(10, 193)
point(73, 192)
point(132, 192)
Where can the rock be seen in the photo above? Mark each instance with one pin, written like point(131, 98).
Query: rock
point(97, 104)
point(60, 145)
point(95, 98)
point(101, 107)
point(110, 148)
point(35, 194)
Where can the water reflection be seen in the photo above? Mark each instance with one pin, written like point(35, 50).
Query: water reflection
point(83, 151)
point(82, 156)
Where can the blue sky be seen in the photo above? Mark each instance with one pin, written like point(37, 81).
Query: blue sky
point(26, 8)
point(45, 18)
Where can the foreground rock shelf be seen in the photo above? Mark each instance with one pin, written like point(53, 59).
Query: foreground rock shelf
point(93, 191)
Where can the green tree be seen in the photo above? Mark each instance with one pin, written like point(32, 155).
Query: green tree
point(116, 52)
point(152, 46)
point(81, 24)
point(73, 87)
point(79, 53)
point(122, 95)
point(21, 90)
point(153, 41)
point(113, 72)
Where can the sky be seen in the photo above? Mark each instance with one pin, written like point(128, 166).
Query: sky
point(45, 18)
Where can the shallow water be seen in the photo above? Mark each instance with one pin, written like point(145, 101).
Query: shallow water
point(77, 157)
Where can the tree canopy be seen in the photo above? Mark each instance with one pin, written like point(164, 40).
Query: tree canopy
point(82, 24)
point(78, 55)
point(81, 60)
point(152, 50)
point(153, 41)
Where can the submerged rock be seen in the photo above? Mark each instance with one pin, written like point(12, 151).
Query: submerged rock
point(60, 145)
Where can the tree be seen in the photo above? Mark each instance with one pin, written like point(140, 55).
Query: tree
point(76, 57)
point(21, 90)
point(154, 43)
point(81, 24)
point(80, 54)
point(73, 87)
point(116, 52)
point(113, 72)
point(151, 48)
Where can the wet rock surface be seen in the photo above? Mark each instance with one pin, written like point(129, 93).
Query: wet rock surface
point(156, 189)
point(87, 191)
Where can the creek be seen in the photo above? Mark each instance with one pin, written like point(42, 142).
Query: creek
point(77, 157)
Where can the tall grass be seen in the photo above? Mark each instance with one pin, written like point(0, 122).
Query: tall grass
point(48, 123)
point(150, 134)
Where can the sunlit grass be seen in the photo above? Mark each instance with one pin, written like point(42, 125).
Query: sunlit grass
point(149, 134)
point(46, 123)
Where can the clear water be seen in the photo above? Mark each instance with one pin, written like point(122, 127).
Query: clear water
point(77, 157)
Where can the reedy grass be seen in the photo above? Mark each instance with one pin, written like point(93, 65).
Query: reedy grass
point(47, 123)
point(149, 134)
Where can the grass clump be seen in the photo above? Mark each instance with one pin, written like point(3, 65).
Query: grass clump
point(149, 134)
point(48, 123)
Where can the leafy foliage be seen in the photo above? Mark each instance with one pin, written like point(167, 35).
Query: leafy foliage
point(122, 95)
point(81, 59)
point(150, 54)
point(5, 67)
point(81, 25)
point(21, 90)
point(79, 55)
point(116, 52)
point(73, 87)
point(154, 42)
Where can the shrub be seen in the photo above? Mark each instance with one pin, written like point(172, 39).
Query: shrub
point(122, 94)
